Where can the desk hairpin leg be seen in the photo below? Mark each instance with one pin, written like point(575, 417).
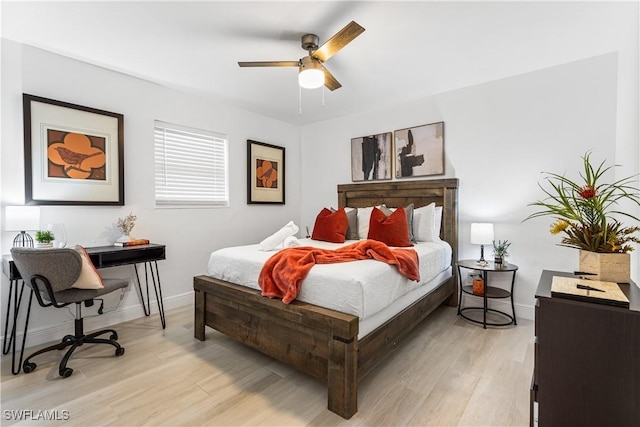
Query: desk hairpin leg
point(12, 341)
point(6, 346)
point(155, 278)
point(24, 336)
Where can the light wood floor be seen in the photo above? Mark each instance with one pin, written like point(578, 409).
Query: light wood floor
point(448, 373)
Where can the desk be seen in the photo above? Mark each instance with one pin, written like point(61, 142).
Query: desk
point(102, 257)
point(489, 291)
point(113, 256)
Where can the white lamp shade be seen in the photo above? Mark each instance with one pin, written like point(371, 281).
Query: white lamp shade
point(481, 233)
point(311, 78)
point(311, 75)
point(21, 218)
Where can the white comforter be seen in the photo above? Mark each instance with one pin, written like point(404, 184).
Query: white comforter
point(362, 288)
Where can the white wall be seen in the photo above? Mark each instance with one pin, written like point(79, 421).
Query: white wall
point(190, 234)
point(499, 136)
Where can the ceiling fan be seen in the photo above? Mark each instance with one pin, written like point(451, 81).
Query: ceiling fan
point(312, 73)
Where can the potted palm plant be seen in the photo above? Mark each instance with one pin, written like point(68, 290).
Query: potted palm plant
point(44, 239)
point(587, 212)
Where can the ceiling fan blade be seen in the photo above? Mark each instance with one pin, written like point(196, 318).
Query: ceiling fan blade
point(338, 41)
point(329, 81)
point(270, 64)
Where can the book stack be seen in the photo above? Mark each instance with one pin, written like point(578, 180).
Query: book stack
point(134, 242)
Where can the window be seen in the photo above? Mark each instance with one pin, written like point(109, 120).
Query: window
point(190, 166)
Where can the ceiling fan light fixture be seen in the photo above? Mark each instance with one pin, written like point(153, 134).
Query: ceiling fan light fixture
point(311, 75)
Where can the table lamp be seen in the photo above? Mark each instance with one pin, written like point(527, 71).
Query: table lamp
point(481, 234)
point(22, 218)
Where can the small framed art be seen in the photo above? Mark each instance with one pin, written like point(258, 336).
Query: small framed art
point(420, 150)
point(73, 155)
point(265, 173)
point(371, 157)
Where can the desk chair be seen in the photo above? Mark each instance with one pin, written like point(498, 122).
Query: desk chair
point(51, 273)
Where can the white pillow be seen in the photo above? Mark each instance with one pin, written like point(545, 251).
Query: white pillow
point(364, 216)
point(89, 277)
point(424, 224)
point(438, 218)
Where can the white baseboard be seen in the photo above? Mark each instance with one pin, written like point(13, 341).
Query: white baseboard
point(41, 335)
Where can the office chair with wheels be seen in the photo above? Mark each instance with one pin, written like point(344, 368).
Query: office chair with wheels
point(53, 275)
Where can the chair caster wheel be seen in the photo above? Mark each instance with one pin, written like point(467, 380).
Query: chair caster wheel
point(66, 372)
point(119, 351)
point(28, 367)
point(114, 337)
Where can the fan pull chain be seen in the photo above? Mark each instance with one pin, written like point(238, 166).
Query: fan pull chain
point(323, 95)
point(299, 100)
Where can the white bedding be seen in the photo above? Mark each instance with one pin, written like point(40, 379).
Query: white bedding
point(361, 288)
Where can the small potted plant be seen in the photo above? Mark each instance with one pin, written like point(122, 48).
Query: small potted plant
point(44, 239)
point(500, 251)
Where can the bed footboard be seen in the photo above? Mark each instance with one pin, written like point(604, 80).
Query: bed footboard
point(315, 340)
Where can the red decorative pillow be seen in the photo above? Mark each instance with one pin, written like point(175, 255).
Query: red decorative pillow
point(392, 230)
point(330, 226)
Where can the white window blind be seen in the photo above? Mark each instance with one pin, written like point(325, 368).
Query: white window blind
point(190, 166)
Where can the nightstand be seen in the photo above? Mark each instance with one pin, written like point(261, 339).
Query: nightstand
point(490, 292)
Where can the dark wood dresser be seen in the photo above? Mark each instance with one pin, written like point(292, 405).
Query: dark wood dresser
point(587, 360)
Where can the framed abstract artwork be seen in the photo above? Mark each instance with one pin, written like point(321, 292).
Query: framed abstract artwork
point(371, 157)
point(420, 150)
point(265, 173)
point(73, 155)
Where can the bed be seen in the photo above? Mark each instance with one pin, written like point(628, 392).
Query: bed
point(319, 341)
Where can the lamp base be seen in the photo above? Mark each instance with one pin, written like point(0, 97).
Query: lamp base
point(482, 260)
point(23, 240)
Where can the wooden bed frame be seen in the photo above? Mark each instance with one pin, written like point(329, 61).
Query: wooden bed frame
point(318, 341)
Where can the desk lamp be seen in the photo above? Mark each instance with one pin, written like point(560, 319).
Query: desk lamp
point(22, 218)
point(481, 234)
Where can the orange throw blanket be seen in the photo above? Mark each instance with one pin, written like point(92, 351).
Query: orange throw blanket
point(283, 273)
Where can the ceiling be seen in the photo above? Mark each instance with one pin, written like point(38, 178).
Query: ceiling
point(409, 49)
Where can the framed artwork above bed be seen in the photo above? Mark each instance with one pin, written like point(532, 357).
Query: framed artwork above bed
point(371, 157)
point(420, 150)
point(265, 173)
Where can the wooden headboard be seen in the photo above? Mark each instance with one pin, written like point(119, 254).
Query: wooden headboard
point(444, 192)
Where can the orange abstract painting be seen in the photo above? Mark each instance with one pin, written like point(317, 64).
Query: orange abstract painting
point(76, 156)
point(266, 174)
